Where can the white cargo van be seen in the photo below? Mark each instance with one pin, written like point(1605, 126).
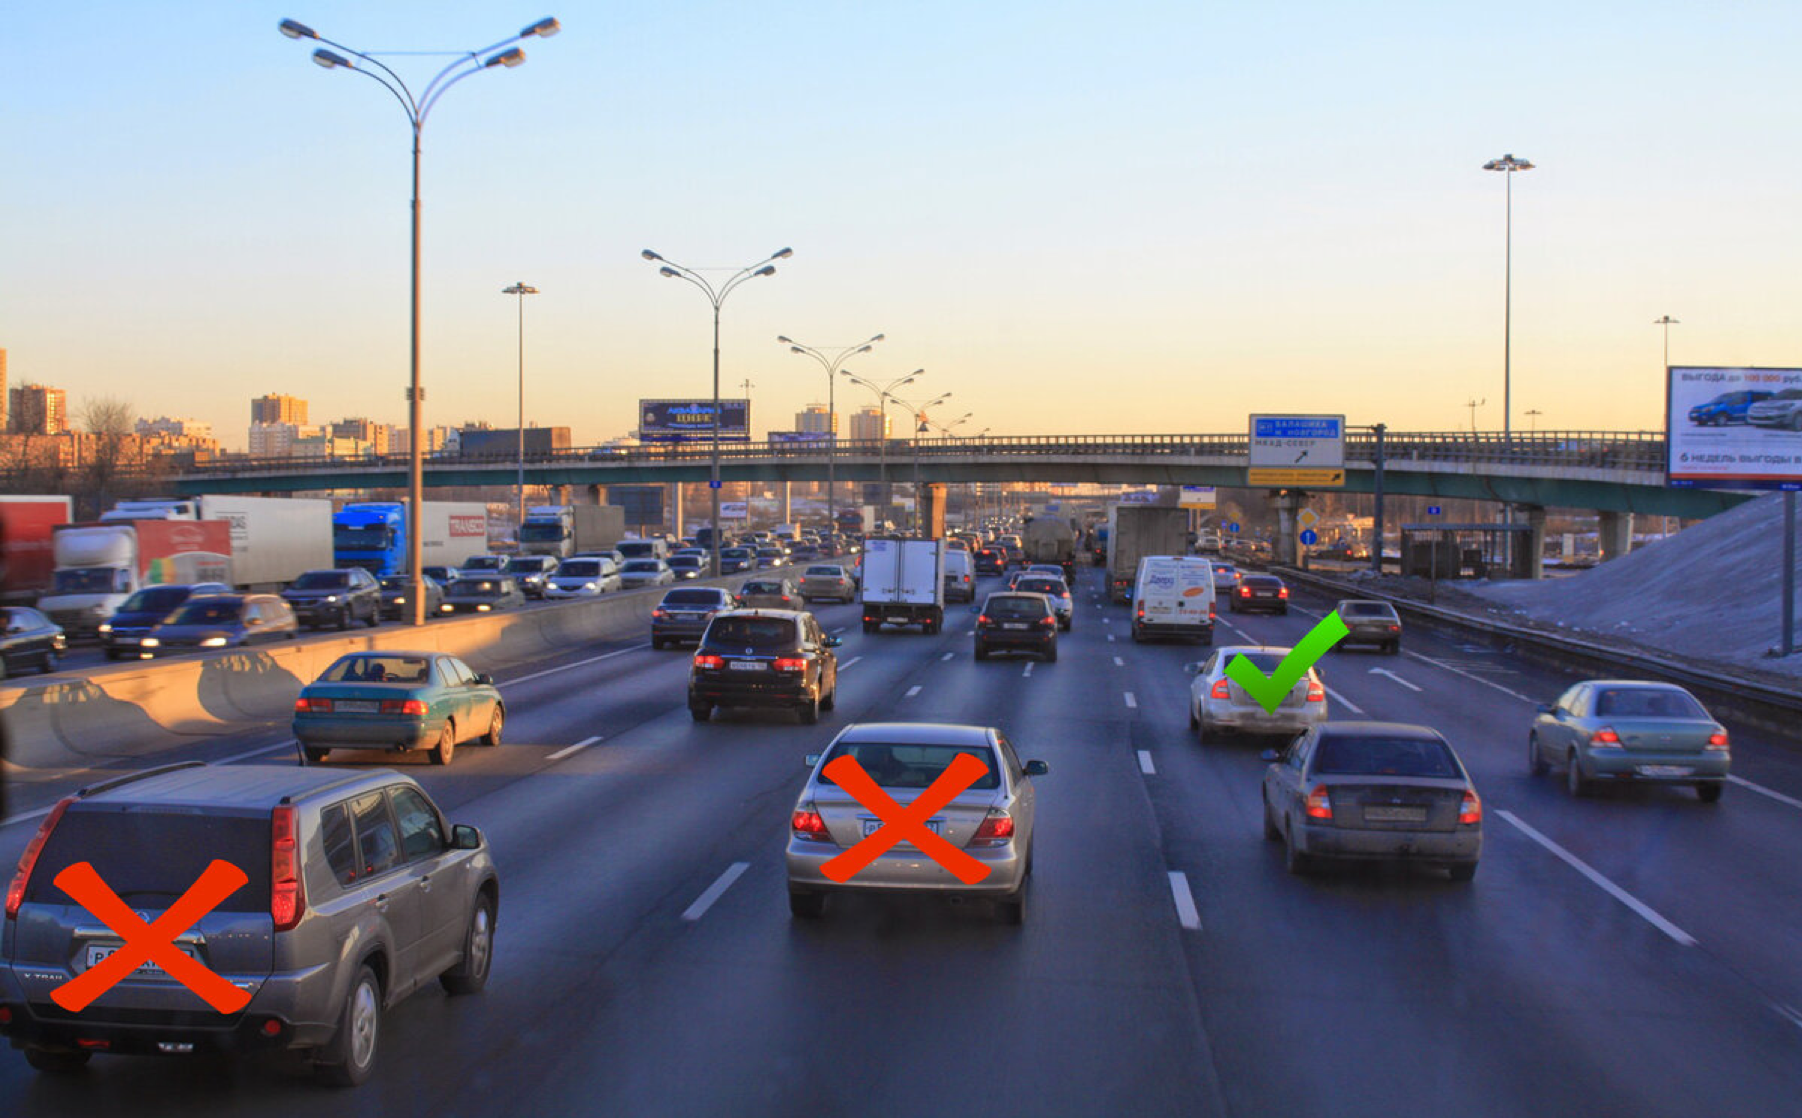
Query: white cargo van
point(643, 549)
point(960, 575)
point(1173, 596)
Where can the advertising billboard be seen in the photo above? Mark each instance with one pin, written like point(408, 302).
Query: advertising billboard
point(1733, 428)
point(680, 421)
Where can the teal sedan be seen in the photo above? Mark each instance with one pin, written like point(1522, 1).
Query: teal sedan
point(1617, 730)
point(398, 701)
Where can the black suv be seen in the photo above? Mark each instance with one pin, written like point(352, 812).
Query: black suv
point(355, 892)
point(1017, 623)
point(337, 597)
point(764, 658)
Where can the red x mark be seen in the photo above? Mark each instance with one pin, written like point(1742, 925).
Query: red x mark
point(147, 943)
point(905, 822)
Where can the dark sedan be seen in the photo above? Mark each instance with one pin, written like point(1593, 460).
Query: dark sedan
point(481, 595)
point(143, 611)
point(396, 596)
point(29, 640)
point(1260, 592)
point(221, 621)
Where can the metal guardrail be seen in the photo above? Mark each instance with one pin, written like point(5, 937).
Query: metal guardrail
point(1641, 451)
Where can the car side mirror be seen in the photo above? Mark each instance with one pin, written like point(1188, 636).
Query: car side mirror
point(1193, 667)
point(811, 760)
point(1270, 755)
point(485, 679)
point(834, 642)
point(465, 837)
point(1547, 708)
point(1037, 768)
point(250, 621)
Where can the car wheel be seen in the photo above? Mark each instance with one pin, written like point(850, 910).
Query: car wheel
point(807, 905)
point(1294, 860)
point(657, 644)
point(496, 723)
point(1535, 760)
point(1284, 612)
point(1065, 626)
point(1710, 793)
point(112, 654)
point(447, 745)
point(1051, 653)
point(1574, 780)
point(49, 663)
point(1464, 871)
point(1203, 731)
point(981, 652)
point(375, 618)
point(60, 1061)
point(1194, 719)
point(349, 1056)
point(315, 756)
point(471, 974)
point(700, 713)
point(1013, 907)
point(1271, 834)
point(809, 711)
point(830, 702)
point(1394, 648)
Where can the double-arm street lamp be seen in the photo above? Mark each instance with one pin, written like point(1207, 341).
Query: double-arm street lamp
point(919, 428)
point(521, 289)
point(418, 108)
point(884, 393)
point(716, 296)
point(832, 365)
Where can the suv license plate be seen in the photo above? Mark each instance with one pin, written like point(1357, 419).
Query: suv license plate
point(747, 665)
point(99, 951)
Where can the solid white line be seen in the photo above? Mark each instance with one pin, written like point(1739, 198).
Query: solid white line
point(1396, 678)
point(1185, 901)
point(1789, 1014)
point(947, 656)
point(1603, 883)
point(1343, 701)
point(1469, 675)
point(705, 900)
point(576, 664)
point(1132, 702)
point(1119, 663)
point(1145, 765)
point(567, 750)
point(912, 691)
point(849, 662)
point(1763, 791)
point(289, 744)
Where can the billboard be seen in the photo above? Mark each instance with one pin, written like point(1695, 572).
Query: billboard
point(643, 504)
point(1297, 450)
point(1733, 428)
point(679, 421)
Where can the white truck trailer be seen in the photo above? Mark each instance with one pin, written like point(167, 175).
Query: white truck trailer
point(903, 583)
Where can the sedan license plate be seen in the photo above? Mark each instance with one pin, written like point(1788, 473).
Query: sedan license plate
point(1395, 814)
point(1664, 770)
point(871, 826)
point(357, 706)
point(748, 665)
point(99, 951)
point(1014, 625)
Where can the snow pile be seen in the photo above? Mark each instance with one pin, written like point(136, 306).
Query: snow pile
point(1711, 592)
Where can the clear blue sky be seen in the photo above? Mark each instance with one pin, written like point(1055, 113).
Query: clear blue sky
point(1130, 217)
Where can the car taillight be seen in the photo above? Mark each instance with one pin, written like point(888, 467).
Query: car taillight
point(808, 825)
point(1141, 614)
point(1244, 591)
point(981, 619)
point(1316, 691)
point(1320, 805)
point(414, 707)
point(1282, 592)
point(1605, 737)
point(287, 895)
point(659, 613)
point(1717, 740)
point(1395, 628)
point(997, 829)
point(305, 705)
point(1471, 810)
point(15, 893)
point(1220, 690)
point(790, 664)
point(712, 663)
point(1048, 621)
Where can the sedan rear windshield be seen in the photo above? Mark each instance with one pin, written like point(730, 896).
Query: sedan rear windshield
point(826, 572)
point(378, 669)
point(151, 856)
point(580, 568)
point(321, 580)
point(1257, 582)
point(752, 632)
point(1366, 609)
point(159, 599)
point(1647, 702)
point(1015, 607)
point(528, 564)
point(1361, 756)
point(1042, 586)
point(913, 766)
point(762, 588)
point(209, 611)
point(692, 598)
point(1266, 662)
point(685, 561)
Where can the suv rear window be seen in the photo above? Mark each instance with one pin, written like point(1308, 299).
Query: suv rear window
point(752, 632)
point(151, 856)
point(1361, 756)
point(159, 599)
point(1016, 607)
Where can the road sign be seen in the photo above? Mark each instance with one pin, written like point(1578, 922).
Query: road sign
point(1196, 497)
point(735, 510)
point(1233, 527)
point(1307, 518)
point(713, 485)
point(1297, 450)
point(1310, 537)
point(1432, 510)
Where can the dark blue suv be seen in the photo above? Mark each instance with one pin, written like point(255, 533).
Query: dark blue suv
point(1728, 407)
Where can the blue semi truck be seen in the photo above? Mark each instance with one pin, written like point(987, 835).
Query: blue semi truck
point(373, 535)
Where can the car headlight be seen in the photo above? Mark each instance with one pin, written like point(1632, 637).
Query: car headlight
point(105, 627)
point(331, 597)
point(447, 608)
point(213, 642)
point(483, 608)
point(588, 586)
point(150, 642)
point(400, 601)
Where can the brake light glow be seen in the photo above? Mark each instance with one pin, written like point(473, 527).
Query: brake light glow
point(15, 893)
point(414, 707)
point(1395, 628)
point(1220, 690)
point(659, 613)
point(1319, 805)
point(983, 619)
point(711, 663)
point(1316, 691)
point(287, 894)
point(1471, 810)
point(808, 825)
point(790, 664)
point(1282, 591)
point(997, 829)
point(1718, 740)
point(1048, 621)
point(1605, 737)
point(304, 705)
point(1244, 591)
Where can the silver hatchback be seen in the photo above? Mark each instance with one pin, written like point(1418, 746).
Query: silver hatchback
point(1218, 705)
point(991, 821)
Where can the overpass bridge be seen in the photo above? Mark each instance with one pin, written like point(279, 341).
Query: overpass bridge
point(1612, 472)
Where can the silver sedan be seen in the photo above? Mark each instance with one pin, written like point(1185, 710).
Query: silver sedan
point(991, 821)
point(1218, 705)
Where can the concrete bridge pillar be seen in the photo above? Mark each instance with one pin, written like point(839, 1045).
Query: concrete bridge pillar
point(595, 494)
point(1616, 534)
point(932, 510)
point(675, 510)
point(559, 494)
point(1288, 506)
point(788, 495)
point(1535, 543)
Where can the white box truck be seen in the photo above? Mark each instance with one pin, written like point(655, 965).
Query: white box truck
point(1135, 531)
point(903, 583)
point(565, 530)
point(274, 539)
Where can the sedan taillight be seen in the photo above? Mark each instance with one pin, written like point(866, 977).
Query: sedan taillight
point(996, 830)
point(1220, 690)
point(1316, 691)
point(1282, 592)
point(1244, 591)
point(1606, 738)
point(713, 663)
point(1471, 810)
point(304, 705)
point(414, 707)
point(981, 619)
point(808, 825)
point(1319, 805)
point(1718, 740)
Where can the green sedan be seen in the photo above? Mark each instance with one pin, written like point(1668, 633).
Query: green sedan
point(398, 701)
point(1613, 730)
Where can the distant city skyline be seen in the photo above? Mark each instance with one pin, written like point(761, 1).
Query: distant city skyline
point(1148, 218)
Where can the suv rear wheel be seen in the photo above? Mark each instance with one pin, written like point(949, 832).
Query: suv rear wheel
point(349, 1057)
point(809, 711)
point(57, 1060)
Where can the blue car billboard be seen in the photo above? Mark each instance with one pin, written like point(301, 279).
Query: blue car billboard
point(678, 421)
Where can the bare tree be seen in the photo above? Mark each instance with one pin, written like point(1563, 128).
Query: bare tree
point(111, 423)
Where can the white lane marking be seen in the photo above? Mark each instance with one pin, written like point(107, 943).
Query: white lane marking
point(1145, 765)
point(1107, 621)
point(912, 691)
point(1305, 612)
point(24, 815)
point(1119, 663)
point(289, 744)
point(849, 662)
point(1027, 670)
point(1645, 911)
point(1469, 675)
point(1763, 791)
point(1110, 638)
point(947, 656)
point(838, 630)
point(1243, 635)
point(1185, 901)
point(1343, 701)
point(576, 664)
point(1132, 702)
point(1392, 675)
point(705, 900)
point(1791, 1015)
point(971, 633)
point(567, 750)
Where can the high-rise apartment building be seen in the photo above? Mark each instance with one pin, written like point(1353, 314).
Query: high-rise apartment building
point(278, 409)
point(816, 420)
point(868, 425)
point(379, 436)
point(163, 427)
point(34, 409)
point(276, 440)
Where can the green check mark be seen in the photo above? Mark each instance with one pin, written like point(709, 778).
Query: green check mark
point(1269, 690)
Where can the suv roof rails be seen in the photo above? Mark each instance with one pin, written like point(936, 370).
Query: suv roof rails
point(118, 781)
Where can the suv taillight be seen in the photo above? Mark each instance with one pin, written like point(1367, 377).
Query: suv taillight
point(983, 619)
point(15, 893)
point(790, 664)
point(287, 895)
point(1244, 591)
point(1320, 804)
point(997, 829)
point(1282, 592)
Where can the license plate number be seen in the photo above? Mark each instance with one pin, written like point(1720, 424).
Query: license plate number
point(871, 826)
point(748, 665)
point(1396, 814)
point(357, 706)
point(1664, 770)
point(98, 952)
point(1013, 625)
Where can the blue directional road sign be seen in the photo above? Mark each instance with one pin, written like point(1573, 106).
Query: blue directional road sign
point(713, 485)
point(1310, 537)
point(1233, 527)
point(1432, 510)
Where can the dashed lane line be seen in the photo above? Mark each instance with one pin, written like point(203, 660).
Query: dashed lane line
point(914, 690)
point(1185, 901)
point(715, 891)
point(1145, 765)
point(1132, 702)
point(576, 748)
point(1643, 910)
point(575, 664)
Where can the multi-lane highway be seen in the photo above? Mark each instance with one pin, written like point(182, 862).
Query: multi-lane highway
point(1633, 953)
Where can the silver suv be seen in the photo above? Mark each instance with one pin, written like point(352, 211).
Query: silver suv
point(358, 894)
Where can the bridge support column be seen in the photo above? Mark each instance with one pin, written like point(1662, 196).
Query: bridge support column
point(1616, 534)
point(1535, 543)
point(595, 494)
point(788, 497)
point(675, 510)
point(932, 510)
point(559, 494)
point(1288, 504)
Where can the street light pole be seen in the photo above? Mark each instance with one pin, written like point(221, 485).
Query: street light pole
point(716, 297)
point(1508, 165)
point(1667, 322)
point(919, 425)
point(832, 365)
point(884, 394)
point(521, 289)
point(417, 110)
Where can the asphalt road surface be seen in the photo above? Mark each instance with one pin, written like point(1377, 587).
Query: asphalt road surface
point(1634, 953)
